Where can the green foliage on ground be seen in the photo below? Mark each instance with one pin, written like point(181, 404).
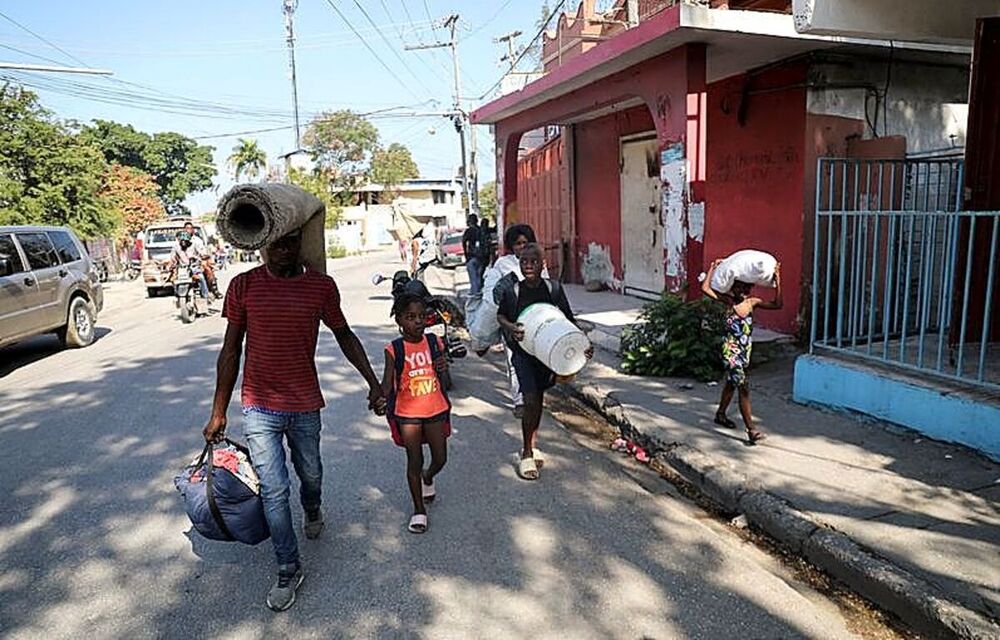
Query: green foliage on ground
point(335, 250)
point(675, 338)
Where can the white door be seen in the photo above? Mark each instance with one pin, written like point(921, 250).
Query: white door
point(642, 229)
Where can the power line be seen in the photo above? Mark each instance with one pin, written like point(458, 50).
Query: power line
point(370, 50)
point(54, 46)
point(489, 20)
point(402, 40)
point(386, 41)
point(527, 47)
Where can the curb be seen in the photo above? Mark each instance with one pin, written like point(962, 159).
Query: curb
point(916, 601)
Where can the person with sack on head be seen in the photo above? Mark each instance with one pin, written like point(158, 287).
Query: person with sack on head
point(276, 309)
point(738, 342)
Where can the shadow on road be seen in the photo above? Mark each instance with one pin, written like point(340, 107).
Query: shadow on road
point(34, 349)
point(94, 540)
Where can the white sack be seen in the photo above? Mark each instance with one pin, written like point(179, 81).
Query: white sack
point(748, 265)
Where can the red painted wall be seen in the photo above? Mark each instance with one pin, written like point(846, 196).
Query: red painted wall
point(754, 188)
point(598, 190)
point(541, 189)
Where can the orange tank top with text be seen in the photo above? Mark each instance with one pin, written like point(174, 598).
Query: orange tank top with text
point(418, 390)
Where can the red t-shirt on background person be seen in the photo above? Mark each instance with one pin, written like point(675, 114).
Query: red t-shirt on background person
point(282, 318)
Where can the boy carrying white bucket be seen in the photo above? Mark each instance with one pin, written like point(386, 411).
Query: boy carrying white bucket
point(536, 376)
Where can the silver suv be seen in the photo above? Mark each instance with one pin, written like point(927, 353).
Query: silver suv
point(48, 284)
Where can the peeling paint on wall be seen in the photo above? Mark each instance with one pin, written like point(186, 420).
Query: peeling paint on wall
point(696, 221)
point(673, 173)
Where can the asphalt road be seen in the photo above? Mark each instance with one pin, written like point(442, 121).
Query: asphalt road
point(94, 542)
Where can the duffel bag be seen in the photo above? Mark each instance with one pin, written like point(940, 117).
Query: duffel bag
point(221, 495)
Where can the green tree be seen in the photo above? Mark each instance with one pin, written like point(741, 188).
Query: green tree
point(341, 144)
point(133, 196)
point(488, 206)
point(179, 165)
point(319, 184)
point(247, 158)
point(392, 166)
point(49, 174)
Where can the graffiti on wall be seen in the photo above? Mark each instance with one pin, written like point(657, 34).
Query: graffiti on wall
point(673, 175)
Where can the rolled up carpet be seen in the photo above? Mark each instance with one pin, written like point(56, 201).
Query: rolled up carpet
point(252, 216)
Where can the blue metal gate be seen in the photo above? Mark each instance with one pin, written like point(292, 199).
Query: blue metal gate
point(895, 267)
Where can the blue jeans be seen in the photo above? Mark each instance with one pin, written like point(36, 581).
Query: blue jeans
point(475, 269)
point(265, 432)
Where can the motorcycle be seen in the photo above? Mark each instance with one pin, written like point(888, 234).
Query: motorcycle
point(134, 269)
point(441, 311)
point(190, 291)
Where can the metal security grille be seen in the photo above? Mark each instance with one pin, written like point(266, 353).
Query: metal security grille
point(900, 274)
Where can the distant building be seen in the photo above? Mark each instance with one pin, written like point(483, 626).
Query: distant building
point(379, 216)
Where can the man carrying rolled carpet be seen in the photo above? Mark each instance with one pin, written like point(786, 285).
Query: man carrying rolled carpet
point(277, 308)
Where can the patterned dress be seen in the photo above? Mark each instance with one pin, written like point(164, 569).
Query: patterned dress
point(736, 347)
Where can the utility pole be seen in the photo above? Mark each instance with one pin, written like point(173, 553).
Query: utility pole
point(460, 118)
point(508, 39)
point(289, 10)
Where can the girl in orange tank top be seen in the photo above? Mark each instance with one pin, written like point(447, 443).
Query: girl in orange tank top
point(419, 410)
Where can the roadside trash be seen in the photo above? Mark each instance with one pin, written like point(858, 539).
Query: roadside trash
point(713, 383)
point(686, 386)
point(917, 440)
point(740, 522)
point(630, 448)
point(948, 456)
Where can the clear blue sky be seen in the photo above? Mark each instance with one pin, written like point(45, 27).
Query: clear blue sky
point(231, 54)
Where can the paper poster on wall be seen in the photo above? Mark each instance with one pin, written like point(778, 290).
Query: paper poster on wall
point(673, 173)
point(696, 221)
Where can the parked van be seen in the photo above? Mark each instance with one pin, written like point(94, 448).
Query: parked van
point(159, 240)
point(48, 284)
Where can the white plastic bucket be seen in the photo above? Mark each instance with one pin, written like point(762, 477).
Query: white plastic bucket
point(553, 339)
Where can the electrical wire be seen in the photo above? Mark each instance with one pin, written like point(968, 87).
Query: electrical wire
point(527, 47)
point(337, 10)
point(488, 20)
point(402, 40)
point(388, 44)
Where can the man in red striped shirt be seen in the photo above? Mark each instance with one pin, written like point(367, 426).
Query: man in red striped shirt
point(276, 309)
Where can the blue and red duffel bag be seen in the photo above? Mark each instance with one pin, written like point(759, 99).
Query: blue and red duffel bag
point(222, 495)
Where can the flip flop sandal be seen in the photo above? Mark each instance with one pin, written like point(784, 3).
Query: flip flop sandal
point(724, 421)
point(527, 469)
point(753, 437)
point(418, 523)
point(539, 458)
point(427, 490)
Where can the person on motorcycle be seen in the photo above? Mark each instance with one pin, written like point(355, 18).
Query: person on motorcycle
point(183, 253)
point(206, 258)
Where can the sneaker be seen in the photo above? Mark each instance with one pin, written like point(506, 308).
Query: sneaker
point(282, 594)
point(314, 524)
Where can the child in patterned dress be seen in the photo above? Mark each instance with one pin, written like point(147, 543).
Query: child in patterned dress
point(738, 343)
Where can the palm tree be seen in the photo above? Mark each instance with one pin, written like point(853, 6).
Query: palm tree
point(247, 158)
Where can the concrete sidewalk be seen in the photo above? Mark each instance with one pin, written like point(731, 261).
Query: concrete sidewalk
point(928, 508)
